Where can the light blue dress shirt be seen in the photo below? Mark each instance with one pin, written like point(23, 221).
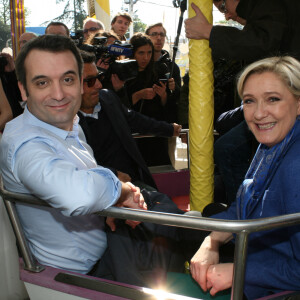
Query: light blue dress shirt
point(54, 165)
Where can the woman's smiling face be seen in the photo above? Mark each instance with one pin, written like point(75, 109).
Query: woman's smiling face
point(270, 109)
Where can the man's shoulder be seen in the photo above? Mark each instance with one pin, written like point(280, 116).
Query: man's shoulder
point(165, 57)
point(18, 128)
point(18, 132)
point(109, 97)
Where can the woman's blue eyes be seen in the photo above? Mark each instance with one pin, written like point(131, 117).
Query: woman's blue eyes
point(247, 101)
point(271, 99)
point(274, 99)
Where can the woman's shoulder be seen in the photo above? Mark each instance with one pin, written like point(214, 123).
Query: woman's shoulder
point(288, 172)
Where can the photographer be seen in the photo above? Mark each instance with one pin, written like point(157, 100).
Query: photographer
point(157, 33)
point(110, 79)
point(10, 84)
point(148, 95)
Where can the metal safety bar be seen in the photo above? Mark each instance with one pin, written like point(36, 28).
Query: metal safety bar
point(241, 228)
point(182, 131)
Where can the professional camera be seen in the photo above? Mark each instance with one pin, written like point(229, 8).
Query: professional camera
point(126, 69)
point(78, 38)
point(3, 63)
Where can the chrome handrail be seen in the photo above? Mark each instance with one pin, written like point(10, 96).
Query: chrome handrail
point(182, 131)
point(241, 227)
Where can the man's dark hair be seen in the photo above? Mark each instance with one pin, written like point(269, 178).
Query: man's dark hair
point(155, 25)
point(88, 57)
point(58, 24)
point(124, 15)
point(140, 39)
point(48, 43)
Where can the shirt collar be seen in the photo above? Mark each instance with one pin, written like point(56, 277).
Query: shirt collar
point(94, 115)
point(32, 120)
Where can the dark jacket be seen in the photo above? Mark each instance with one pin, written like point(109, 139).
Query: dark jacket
point(11, 89)
point(145, 79)
point(273, 27)
point(173, 97)
point(125, 122)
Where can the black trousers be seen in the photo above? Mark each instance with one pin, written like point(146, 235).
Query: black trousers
point(142, 256)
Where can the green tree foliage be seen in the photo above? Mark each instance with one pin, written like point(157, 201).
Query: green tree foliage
point(4, 34)
point(138, 25)
point(5, 12)
point(73, 13)
point(4, 23)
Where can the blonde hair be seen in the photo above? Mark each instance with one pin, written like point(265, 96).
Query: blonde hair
point(286, 68)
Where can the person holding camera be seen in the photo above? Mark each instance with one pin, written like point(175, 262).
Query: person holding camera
point(148, 93)
point(90, 26)
point(157, 34)
point(110, 80)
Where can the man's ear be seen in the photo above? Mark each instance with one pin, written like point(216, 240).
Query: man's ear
point(81, 85)
point(23, 91)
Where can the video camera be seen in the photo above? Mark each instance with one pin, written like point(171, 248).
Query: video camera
point(126, 69)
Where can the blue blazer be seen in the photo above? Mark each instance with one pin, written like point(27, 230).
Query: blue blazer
point(273, 262)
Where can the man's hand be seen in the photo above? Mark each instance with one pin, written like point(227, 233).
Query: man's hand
point(130, 197)
point(177, 129)
point(117, 82)
point(123, 176)
point(197, 27)
point(219, 277)
point(10, 62)
point(103, 63)
point(184, 138)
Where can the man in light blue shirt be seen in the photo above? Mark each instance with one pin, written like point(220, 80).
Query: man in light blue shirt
point(42, 154)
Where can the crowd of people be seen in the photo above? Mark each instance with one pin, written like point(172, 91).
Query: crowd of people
point(70, 143)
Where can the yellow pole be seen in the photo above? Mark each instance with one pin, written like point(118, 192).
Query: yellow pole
point(102, 12)
point(17, 18)
point(201, 114)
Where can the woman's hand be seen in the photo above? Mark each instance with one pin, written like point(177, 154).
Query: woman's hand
point(160, 90)
point(207, 255)
point(219, 277)
point(147, 94)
